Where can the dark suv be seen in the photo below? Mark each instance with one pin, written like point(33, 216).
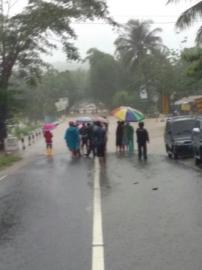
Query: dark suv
point(178, 136)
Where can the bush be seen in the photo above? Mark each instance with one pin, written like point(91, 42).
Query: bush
point(8, 160)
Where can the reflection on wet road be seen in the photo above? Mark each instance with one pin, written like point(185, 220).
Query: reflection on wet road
point(151, 215)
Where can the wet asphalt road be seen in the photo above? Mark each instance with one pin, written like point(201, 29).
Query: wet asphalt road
point(46, 215)
point(158, 229)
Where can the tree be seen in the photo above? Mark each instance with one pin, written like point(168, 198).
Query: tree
point(136, 41)
point(183, 78)
point(39, 101)
point(24, 36)
point(103, 76)
point(141, 50)
point(120, 98)
point(193, 56)
point(189, 16)
point(189, 70)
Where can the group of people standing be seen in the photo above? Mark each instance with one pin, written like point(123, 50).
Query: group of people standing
point(125, 138)
point(91, 138)
point(87, 138)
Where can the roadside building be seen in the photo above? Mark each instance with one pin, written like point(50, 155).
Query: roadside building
point(189, 105)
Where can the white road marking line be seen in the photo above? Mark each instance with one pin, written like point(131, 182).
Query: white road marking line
point(97, 243)
point(3, 177)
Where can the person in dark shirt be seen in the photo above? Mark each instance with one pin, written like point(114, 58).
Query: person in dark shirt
point(84, 138)
point(142, 140)
point(119, 136)
point(100, 141)
point(90, 140)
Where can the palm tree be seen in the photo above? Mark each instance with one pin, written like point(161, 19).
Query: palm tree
point(188, 17)
point(137, 41)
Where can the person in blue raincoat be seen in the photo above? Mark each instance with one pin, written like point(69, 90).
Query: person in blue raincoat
point(72, 139)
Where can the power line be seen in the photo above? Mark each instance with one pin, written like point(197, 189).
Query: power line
point(106, 23)
point(144, 15)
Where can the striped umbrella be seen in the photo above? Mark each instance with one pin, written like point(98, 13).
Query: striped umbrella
point(128, 114)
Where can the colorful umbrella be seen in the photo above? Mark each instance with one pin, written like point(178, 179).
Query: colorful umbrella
point(128, 114)
point(49, 126)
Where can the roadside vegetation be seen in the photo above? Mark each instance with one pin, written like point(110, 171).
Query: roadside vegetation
point(8, 160)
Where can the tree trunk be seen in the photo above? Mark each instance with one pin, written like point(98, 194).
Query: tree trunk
point(3, 112)
point(3, 131)
point(5, 74)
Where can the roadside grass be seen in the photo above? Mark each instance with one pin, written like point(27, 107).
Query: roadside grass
point(8, 160)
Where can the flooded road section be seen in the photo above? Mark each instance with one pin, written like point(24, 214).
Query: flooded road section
point(148, 215)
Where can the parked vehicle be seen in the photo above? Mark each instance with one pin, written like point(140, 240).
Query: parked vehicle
point(197, 140)
point(178, 136)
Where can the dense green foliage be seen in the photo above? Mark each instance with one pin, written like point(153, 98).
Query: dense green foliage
point(114, 81)
point(54, 85)
point(25, 36)
point(103, 76)
point(109, 80)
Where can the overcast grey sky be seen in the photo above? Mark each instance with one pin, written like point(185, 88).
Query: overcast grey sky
point(102, 36)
